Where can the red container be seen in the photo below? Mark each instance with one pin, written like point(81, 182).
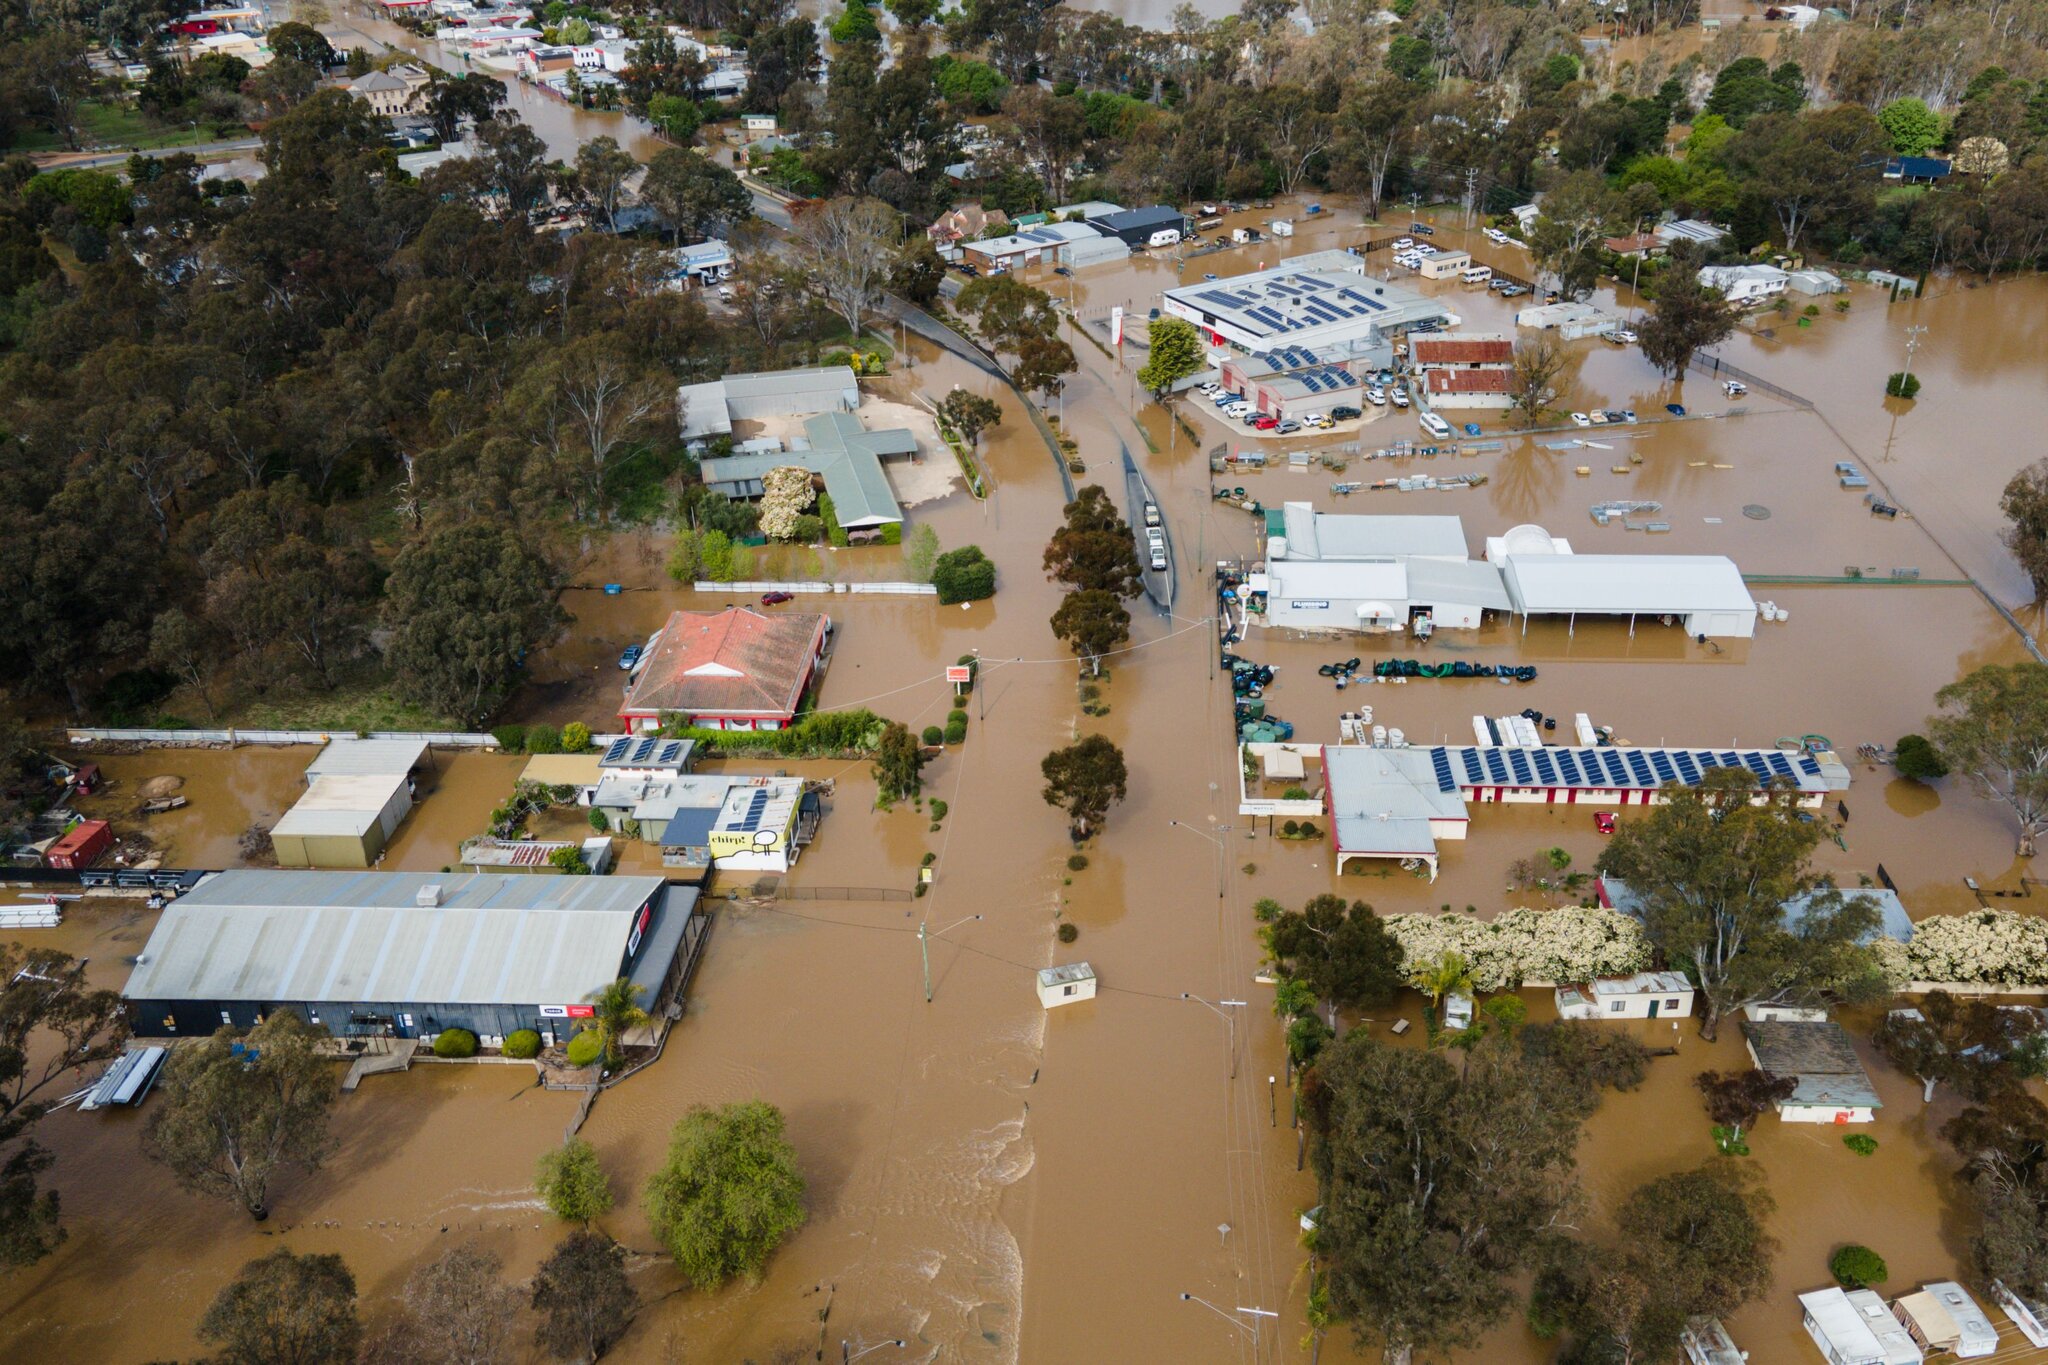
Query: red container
point(81, 846)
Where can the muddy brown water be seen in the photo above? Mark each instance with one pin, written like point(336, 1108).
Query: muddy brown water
point(989, 1181)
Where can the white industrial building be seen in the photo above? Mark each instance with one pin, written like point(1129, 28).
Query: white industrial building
point(1387, 803)
point(1325, 301)
point(1569, 320)
point(1703, 592)
point(1029, 247)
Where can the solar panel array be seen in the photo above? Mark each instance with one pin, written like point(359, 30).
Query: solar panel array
point(1329, 379)
point(1610, 768)
point(642, 750)
point(755, 805)
point(1310, 301)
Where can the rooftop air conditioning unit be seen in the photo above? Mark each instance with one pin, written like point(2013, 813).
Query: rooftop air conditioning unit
point(429, 896)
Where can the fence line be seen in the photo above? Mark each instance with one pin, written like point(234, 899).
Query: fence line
point(806, 585)
point(447, 739)
point(1717, 368)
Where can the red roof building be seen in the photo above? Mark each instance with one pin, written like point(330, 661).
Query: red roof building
point(1469, 381)
point(737, 669)
point(1428, 351)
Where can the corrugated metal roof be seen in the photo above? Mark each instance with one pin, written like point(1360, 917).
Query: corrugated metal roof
point(340, 805)
point(1618, 584)
point(360, 936)
point(355, 757)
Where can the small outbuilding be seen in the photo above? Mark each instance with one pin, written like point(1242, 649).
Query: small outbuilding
point(1068, 984)
point(1944, 1318)
point(1444, 265)
point(1831, 1085)
point(80, 846)
point(1645, 995)
point(1853, 1327)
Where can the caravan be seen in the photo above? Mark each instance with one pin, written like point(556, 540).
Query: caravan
point(1476, 274)
point(1164, 237)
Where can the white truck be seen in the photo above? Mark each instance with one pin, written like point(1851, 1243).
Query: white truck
point(1283, 227)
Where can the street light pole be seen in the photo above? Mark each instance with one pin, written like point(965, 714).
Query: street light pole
point(924, 948)
point(1218, 1008)
point(1912, 343)
point(1223, 829)
point(847, 1355)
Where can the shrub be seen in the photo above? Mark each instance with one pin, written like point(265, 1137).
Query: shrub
point(956, 731)
point(570, 860)
point(1265, 909)
point(543, 739)
point(964, 575)
point(1902, 385)
point(956, 714)
point(599, 821)
point(455, 1042)
point(1309, 830)
point(1295, 794)
point(1076, 862)
point(1917, 758)
point(892, 533)
point(1857, 1267)
point(808, 530)
point(939, 809)
point(928, 859)
point(1862, 1144)
point(585, 1048)
point(572, 1183)
point(575, 737)
point(1069, 931)
point(511, 738)
point(834, 532)
point(933, 736)
point(1291, 827)
point(522, 1044)
point(822, 734)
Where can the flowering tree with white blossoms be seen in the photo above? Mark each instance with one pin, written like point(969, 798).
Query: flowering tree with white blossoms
point(785, 494)
point(1573, 944)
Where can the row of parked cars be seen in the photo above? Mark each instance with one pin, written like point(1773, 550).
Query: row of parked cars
point(1239, 410)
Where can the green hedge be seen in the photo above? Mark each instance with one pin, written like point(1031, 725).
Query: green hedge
point(956, 732)
point(522, 1044)
point(543, 739)
point(511, 738)
point(892, 533)
point(933, 736)
point(455, 1042)
point(964, 575)
point(585, 1048)
point(834, 532)
point(822, 734)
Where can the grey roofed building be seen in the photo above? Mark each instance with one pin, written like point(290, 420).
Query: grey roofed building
point(1324, 300)
point(1472, 581)
point(1818, 1056)
point(1331, 535)
point(1892, 919)
point(1136, 226)
point(373, 757)
point(1690, 230)
point(711, 409)
point(841, 451)
point(401, 952)
point(1384, 802)
point(1705, 589)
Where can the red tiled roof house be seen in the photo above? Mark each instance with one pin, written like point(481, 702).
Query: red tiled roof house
point(737, 669)
point(1464, 371)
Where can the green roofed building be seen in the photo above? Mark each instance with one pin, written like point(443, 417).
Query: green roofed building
point(844, 454)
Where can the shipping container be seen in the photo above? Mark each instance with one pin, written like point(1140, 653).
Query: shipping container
point(80, 846)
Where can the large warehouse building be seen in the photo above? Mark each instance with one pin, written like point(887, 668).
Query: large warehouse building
point(358, 791)
point(407, 954)
point(1324, 302)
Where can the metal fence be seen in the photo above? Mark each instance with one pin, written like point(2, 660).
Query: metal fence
point(767, 890)
point(446, 739)
point(804, 585)
point(1716, 368)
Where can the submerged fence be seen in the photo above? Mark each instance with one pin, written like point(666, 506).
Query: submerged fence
point(1715, 367)
point(446, 739)
point(807, 585)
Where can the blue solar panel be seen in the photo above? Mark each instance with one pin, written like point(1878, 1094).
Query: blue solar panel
point(1495, 766)
point(1662, 764)
point(1569, 767)
point(1809, 765)
point(1442, 762)
point(671, 752)
point(1617, 771)
point(616, 750)
point(1756, 764)
point(1781, 765)
point(1520, 763)
point(1687, 769)
point(1280, 288)
point(1730, 759)
point(1468, 765)
point(1545, 769)
point(1640, 766)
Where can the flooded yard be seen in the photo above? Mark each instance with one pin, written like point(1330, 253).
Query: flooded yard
point(992, 1182)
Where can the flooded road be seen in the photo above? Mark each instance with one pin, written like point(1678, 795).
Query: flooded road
point(992, 1182)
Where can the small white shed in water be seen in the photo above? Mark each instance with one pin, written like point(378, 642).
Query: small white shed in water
point(1707, 1342)
point(1065, 985)
point(1943, 1317)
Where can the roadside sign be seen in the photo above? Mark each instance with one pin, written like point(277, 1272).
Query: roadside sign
point(959, 673)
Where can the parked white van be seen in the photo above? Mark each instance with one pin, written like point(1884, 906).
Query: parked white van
point(1476, 274)
point(1164, 237)
point(1434, 425)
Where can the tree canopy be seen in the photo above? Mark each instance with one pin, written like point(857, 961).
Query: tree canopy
point(1084, 779)
point(728, 1193)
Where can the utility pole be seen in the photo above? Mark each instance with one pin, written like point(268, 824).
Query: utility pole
point(924, 948)
point(1221, 1009)
point(1913, 335)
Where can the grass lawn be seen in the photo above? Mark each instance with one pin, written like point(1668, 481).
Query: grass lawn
point(115, 126)
point(361, 703)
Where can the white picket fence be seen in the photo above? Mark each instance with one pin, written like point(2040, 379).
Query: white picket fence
point(810, 586)
point(446, 739)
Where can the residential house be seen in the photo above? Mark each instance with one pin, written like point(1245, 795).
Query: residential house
point(1918, 170)
point(1832, 1086)
point(1943, 1318)
point(1464, 371)
point(1748, 285)
point(1695, 230)
point(1030, 247)
point(848, 460)
point(710, 409)
point(1853, 1327)
point(1645, 995)
point(964, 223)
point(757, 126)
point(1639, 244)
point(737, 669)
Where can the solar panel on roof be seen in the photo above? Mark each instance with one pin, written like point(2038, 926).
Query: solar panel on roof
point(1617, 772)
point(1809, 765)
point(1756, 764)
point(1442, 762)
point(1781, 765)
point(1640, 766)
point(1730, 759)
point(1468, 765)
point(644, 750)
point(1568, 767)
point(1545, 769)
point(1687, 769)
point(615, 750)
point(1520, 763)
point(1495, 766)
point(672, 751)
point(1662, 764)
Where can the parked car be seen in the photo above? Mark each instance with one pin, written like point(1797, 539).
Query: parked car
point(965, 268)
point(1265, 422)
point(1513, 291)
point(1403, 243)
point(1210, 276)
point(1498, 283)
point(1344, 414)
point(1399, 398)
point(1496, 235)
point(1422, 229)
point(1579, 419)
point(1062, 270)
point(1625, 336)
point(1628, 414)
point(1319, 420)
point(1434, 425)
point(1603, 821)
point(776, 599)
point(1734, 388)
point(629, 657)
point(1376, 397)
point(1675, 409)
point(1287, 428)
point(1211, 389)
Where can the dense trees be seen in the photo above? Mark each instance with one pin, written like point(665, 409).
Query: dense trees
point(463, 607)
point(1687, 316)
point(286, 1307)
point(1972, 1045)
point(1994, 726)
point(1343, 953)
point(583, 1297)
point(1084, 779)
point(1714, 866)
point(2025, 504)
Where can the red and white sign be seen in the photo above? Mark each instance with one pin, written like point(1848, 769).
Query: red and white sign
point(1116, 325)
point(581, 1011)
point(959, 673)
point(639, 928)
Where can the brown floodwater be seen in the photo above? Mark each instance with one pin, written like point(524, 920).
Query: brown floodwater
point(989, 1181)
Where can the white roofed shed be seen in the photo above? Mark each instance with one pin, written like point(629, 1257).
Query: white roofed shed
point(1705, 591)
